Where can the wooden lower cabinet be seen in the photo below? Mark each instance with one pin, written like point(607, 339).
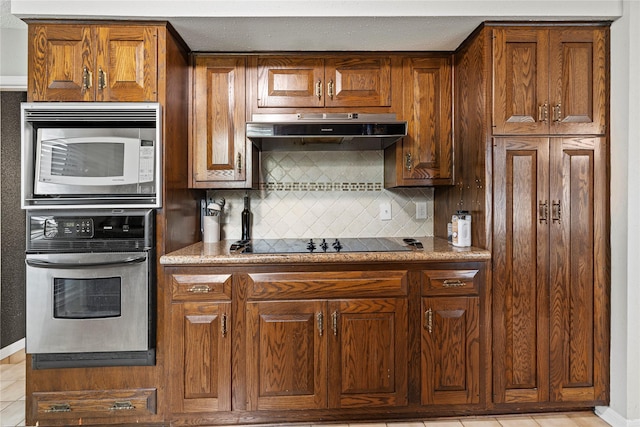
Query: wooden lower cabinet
point(200, 335)
point(550, 292)
point(318, 354)
point(278, 344)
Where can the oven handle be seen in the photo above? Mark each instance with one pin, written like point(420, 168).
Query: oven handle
point(48, 264)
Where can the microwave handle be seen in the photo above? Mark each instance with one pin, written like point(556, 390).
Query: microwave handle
point(69, 266)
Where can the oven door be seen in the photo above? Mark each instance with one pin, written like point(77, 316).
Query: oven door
point(87, 302)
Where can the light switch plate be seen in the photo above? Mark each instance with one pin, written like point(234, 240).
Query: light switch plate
point(385, 211)
point(421, 210)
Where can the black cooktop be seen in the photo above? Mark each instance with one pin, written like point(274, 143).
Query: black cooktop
point(326, 245)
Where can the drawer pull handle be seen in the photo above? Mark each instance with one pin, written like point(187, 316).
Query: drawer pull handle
point(122, 406)
point(59, 407)
point(453, 283)
point(200, 289)
point(334, 320)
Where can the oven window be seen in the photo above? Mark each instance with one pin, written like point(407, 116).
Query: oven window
point(87, 298)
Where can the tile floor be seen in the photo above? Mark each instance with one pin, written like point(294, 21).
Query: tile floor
point(12, 408)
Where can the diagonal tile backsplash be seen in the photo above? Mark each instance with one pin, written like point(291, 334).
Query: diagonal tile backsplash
point(325, 194)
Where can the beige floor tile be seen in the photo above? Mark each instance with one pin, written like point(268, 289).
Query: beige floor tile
point(516, 421)
point(13, 391)
point(13, 414)
point(12, 372)
point(587, 419)
point(480, 422)
point(554, 420)
point(443, 423)
point(406, 424)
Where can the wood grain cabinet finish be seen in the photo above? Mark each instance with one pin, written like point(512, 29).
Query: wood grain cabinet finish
point(220, 156)
point(201, 342)
point(425, 155)
point(550, 281)
point(93, 63)
point(450, 356)
point(319, 353)
point(354, 81)
point(550, 81)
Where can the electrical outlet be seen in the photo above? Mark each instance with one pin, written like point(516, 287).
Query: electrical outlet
point(385, 211)
point(421, 210)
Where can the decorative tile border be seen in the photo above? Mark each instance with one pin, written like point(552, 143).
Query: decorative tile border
point(321, 186)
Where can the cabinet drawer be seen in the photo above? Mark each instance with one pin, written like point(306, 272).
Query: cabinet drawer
point(450, 282)
point(94, 403)
point(201, 287)
point(334, 284)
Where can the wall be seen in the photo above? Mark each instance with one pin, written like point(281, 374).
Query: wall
point(12, 223)
point(325, 194)
point(624, 408)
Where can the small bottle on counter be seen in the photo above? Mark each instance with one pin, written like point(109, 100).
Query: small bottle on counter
point(246, 220)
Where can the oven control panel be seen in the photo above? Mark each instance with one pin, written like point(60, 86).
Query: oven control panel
point(68, 228)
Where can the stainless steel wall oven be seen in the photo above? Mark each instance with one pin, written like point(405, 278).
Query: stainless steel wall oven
point(90, 279)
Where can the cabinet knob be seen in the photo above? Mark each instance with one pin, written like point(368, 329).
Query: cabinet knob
point(239, 163)
point(319, 89)
point(407, 161)
point(453, 283)
point(200, 289)
point(556, 211)
point(557, 113)
point(59, 407)
point(320, 319)
point(543, 211)
point(334, 321)
point(330, 89)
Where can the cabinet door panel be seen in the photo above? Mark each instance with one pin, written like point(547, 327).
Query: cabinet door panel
point(127, 64)
point(579, 80)
point(286, 355)
point(290, 82)
point(521, 88)
point(450, 350)
point(367, 350)
point(358, 82)
point(427, 149)
point(578, 235)
point(218, 147)
point(202, 357)
point(520, 307)
point(58, 58)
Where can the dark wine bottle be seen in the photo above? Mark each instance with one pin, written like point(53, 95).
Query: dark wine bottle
point(246, 220)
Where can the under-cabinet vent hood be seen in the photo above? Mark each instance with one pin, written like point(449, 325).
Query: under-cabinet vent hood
point(325, 131)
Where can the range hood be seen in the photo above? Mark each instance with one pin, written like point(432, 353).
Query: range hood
point(325, 131)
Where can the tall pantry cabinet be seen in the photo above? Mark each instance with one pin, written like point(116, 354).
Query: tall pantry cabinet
point(539, 168)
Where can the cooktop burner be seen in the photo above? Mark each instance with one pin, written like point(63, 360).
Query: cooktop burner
point(333, 245)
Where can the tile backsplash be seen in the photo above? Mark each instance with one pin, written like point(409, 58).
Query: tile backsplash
point(313, 194)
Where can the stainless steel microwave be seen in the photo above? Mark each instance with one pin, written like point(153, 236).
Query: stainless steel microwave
point(91, 155)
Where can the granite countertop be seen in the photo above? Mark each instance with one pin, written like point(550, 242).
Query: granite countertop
point(435, 249)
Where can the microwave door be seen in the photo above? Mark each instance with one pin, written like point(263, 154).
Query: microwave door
point(90, 165)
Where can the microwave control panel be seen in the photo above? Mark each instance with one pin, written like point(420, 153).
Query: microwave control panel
point(68, 228)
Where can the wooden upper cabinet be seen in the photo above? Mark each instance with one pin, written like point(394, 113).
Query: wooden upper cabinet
point(218, 145)
point(549, 81)
point(92, 63)
point(359, 81)
point(425, 155)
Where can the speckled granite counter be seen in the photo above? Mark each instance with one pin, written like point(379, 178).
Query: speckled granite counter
point(435, 249)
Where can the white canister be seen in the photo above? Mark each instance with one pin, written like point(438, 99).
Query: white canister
point(211, 229)
point(461, 229)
